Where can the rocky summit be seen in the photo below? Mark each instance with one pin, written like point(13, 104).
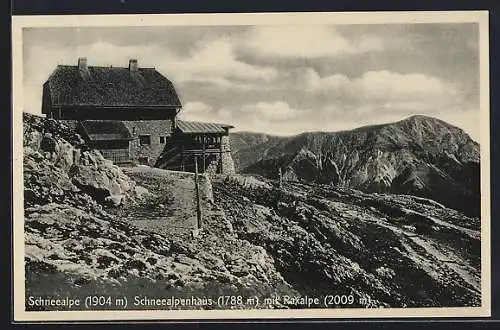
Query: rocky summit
point(419, 155)
point(91, 228)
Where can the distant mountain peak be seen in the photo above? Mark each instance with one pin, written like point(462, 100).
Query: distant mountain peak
point(420, 117)
point(419, 155)
point(429, 121)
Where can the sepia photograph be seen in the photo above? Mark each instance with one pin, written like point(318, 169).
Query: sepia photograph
point(251, 166)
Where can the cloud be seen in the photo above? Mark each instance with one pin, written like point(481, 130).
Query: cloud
point(214, 64)
point(272, 111)
point(337, 83)
point(199, 111)
point(308, 41)
point(279, 118)
point(279, 79)
point(304, 120)
point(382, 85)
point(388, 85)
point(194, 108)
point(214, 60)
point(259, 116)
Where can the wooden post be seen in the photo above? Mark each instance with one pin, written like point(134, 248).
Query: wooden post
point(182, 158)
point(197, 190)
point(203, 153)
point(280, 177)
point(220, 155)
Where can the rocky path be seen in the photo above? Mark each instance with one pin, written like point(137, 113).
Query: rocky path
point(82, 250)
point(172, 209)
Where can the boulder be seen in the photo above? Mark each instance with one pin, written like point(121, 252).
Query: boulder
point(115, 200)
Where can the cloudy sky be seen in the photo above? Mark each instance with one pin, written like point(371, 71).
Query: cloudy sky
point(285, 79)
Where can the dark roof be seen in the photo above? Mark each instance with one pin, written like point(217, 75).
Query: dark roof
point(111, 86)
point(198, 127)
point(105, 130)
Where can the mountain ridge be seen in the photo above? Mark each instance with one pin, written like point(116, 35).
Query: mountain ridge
point(418, 155)
point(416, 117)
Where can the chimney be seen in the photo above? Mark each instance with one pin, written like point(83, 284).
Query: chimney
point(132, 65)
point(82, 64)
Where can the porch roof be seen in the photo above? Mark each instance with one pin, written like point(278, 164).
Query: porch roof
point(194, 127)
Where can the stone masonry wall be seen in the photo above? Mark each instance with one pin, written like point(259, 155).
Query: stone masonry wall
point(155, 129)
point(227, 159)
point(163, 128)
point(212, 167)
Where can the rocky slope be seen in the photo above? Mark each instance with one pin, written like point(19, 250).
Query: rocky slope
point(389, 250)
point(72, 172)
point(91, 229)
point(77, 244)
point(420, 155)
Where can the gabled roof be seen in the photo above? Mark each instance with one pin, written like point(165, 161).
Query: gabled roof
point(198, 127)
point(110, 86)
point(99, 130)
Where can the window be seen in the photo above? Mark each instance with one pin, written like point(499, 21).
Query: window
point(162, 139)
point(144, 140)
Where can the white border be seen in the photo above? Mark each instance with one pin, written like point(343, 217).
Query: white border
point(20, 22)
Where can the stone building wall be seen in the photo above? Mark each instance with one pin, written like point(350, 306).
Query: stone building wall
point(227, 159)
point(142, 154)
point(212, 167)
point(148, 154)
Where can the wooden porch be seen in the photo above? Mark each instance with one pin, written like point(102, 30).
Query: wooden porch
point(203, 148)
